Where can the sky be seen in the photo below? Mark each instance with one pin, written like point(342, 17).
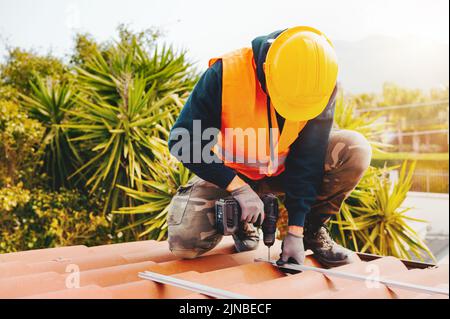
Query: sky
point(208, 28)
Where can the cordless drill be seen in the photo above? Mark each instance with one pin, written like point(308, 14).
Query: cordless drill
point(228, 216)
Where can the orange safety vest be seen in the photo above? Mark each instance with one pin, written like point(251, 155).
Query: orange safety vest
point(244, 109)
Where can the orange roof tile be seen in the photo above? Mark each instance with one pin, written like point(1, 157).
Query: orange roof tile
point(111, 271)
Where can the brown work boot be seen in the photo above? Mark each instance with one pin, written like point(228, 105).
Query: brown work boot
point(326, 250)
point(247, 237)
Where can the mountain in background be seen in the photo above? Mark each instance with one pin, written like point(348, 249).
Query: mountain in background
point(410, 62)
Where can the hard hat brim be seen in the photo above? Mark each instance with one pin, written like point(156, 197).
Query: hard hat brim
point(301, 111)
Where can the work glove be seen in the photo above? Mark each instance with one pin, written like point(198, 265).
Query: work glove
point(251, 205)
point(292, 250)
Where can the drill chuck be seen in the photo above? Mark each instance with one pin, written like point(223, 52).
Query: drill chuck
point(268, 239)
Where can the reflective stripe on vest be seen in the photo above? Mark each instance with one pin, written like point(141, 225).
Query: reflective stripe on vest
point(245, 110)
point(251, 163)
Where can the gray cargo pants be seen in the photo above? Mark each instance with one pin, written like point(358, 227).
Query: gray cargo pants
point(191, 214)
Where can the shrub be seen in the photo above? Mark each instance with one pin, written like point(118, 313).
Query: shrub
point(44, 219)
point(166, 176)
point(11, 198)
point(122, 97)
point(21, 68)
point(346, 117)
point(372, 219)
point(128, 98)
point(31, 216)
point(20, 146)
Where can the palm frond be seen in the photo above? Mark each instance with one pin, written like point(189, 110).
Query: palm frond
point(375, 218)
point(50, 103)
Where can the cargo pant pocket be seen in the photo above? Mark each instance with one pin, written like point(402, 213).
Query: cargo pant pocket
point(178, 205)
point(191, 220)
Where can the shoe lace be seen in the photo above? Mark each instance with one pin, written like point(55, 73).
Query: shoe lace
point(324, 237)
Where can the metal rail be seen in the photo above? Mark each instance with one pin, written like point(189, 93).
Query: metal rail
point(388, 283)
point(192, 286)
point(404, 106)
point(416, 133)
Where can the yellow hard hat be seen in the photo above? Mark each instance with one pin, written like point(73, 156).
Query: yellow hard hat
point(301, 73)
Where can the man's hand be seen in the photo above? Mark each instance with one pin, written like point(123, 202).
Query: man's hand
point(251, 205)
point(293, 250)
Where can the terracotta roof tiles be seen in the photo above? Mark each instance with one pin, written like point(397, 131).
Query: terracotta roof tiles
point(111, 271)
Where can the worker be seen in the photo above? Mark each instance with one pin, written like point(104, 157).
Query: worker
point(278, 96)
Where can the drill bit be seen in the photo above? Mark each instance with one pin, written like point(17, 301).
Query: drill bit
point(268, 253)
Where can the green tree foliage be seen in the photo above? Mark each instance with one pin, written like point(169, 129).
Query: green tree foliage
point(31, 215)
point(129, 97)
point(166, 175)
point(407, 119)
point(372, 220)
point(392, 94)
point(22, 67)
point(49, 103)
point(438, 94)
point(396, 95)
point(104, 118)
point(86, 46)
point(12, 197)
point(43, 219)
point(347, 117)
point(20, 140)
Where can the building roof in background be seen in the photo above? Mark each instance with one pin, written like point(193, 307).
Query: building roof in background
point(111, 271)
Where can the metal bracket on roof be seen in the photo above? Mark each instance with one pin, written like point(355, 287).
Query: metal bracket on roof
point(410, 264)
point(192, 286)
point(333, 273)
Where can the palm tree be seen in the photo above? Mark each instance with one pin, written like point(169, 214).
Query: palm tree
point(166, 176)
point(128, 99)
point(373, 220)
point(49, 103)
